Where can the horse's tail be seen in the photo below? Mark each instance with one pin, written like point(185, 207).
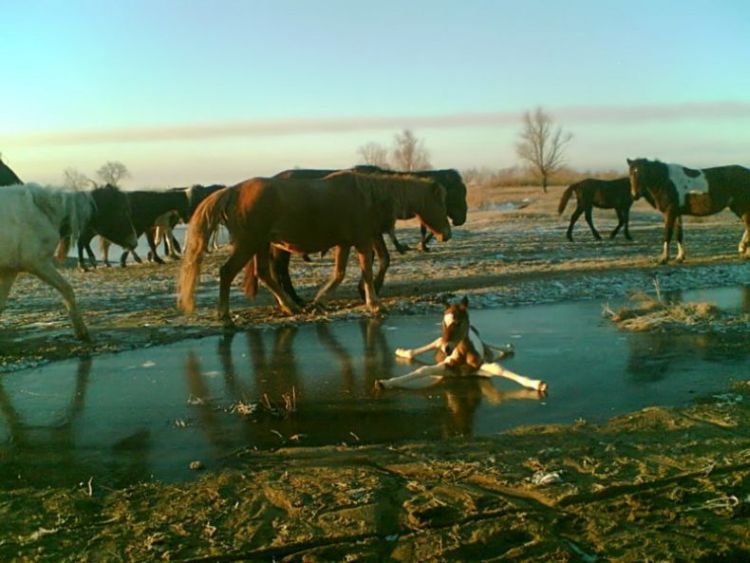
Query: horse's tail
point(63, 246)
point(565, 197)
point(205, 220)
point(250, 285)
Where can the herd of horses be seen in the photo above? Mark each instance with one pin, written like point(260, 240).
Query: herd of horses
point(310, 211)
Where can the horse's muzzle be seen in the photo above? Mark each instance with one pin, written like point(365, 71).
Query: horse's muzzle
point(445, 235)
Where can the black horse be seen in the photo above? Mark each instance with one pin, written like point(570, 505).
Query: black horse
point(604, 194)
point(455, 203)
point(678, 191)
point(145, 207)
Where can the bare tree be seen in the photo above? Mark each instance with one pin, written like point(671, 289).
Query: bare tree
point(542, 144)
point(409, 153)
point(76, 180)
point(112, 172)
point(375, 154)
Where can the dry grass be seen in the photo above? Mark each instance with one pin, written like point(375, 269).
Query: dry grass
point(651, 313)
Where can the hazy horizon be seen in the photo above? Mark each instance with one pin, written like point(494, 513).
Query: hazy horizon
point(206, 92)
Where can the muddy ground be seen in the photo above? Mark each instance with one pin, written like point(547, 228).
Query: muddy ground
point(657, 484)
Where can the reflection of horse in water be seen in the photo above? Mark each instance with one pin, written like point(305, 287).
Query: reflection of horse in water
point(49, 453)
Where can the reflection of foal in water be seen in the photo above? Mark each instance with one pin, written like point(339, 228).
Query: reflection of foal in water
point(460, 351)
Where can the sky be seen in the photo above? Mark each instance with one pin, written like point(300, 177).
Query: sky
point(218, 91)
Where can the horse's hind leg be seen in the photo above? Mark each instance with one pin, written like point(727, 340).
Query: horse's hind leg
point(49, 274)
point(680, 247)
point(590, 221)
point(341, 255)
point(6, 282)
point(573, 218)
point(228, 271)
point(262, 261)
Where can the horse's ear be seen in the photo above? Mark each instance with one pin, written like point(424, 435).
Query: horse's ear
point(465, 302)
point(630, 162)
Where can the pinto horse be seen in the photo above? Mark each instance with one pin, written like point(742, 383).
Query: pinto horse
point(604, 194)
point(33, 218)
point(677, 191)
point(305, 216)
point(459, 351)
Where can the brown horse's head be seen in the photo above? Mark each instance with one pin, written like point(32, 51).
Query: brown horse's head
point(455, 198)
point(432, 210)
point(644, 174)
point(455, 325)
point(112, 216)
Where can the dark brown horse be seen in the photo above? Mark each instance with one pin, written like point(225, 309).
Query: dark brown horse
point(305, 216)
point(456, 209)
point(455, 199)
point(679, 191)
point(604, 194)
point(145, 206)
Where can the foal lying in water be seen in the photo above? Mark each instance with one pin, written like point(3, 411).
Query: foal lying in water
point(459, 351)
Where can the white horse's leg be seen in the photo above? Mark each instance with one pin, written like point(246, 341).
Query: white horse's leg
point(742, 248)
point(49, 274)
point(496, 396)
point(6, 282)
point(495, 369)
point(410, 353)
point(420, 378)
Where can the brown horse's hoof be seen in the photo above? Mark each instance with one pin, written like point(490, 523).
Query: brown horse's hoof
point(542, 389)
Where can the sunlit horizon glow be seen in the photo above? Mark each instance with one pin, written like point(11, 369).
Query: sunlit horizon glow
point(220, 91)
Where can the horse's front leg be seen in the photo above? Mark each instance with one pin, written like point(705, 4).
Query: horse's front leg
point(496, 370)
point(420, 378)
point(669, 220)
point(742, 248)
point(680, 247)
point(410, 353)
point(340, 257)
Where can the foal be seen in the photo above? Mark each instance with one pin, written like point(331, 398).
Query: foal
point(459, 351)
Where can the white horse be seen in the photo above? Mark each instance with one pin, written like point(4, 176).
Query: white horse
point(33, 219)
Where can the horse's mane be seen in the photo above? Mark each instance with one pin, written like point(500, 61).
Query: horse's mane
point(69, 211)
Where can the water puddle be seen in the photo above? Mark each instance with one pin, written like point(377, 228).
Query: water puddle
point(148, 414)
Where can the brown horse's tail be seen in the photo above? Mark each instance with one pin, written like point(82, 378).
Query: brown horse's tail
point(250, 285)
point(211, 211)
point(565, 197)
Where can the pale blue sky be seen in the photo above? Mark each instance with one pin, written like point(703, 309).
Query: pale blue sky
point(218, 91)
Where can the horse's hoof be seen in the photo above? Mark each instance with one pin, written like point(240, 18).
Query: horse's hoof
point(404, 353)
point(542, 389)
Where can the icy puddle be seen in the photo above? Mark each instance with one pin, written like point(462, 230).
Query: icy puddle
point(148, 414)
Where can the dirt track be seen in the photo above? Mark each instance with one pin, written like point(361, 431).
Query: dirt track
point(659, 484)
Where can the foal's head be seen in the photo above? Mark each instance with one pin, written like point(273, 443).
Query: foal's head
point(455, 325)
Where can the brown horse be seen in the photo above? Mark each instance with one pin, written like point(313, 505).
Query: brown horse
point(305, 216)
point(604, 194)
point(679, 191)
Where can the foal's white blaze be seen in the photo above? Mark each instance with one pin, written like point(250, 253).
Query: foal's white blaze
point(685, 184)
point(449, 319)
